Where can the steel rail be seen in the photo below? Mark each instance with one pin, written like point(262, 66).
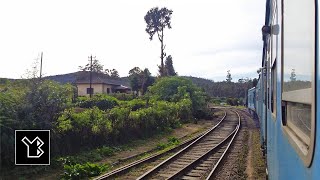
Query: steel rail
point(224, 153)
point(208, 153)
point(127, 167)
point(170, 159)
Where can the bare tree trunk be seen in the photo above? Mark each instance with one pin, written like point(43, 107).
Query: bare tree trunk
point(162, 56)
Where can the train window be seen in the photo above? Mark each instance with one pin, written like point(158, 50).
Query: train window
point(298, 75)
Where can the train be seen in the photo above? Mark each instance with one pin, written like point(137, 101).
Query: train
point(286, 98)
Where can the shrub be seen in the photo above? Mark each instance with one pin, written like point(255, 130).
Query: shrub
point(78, 171)
point(174, 89)
point(124, 96)
point(102, 101)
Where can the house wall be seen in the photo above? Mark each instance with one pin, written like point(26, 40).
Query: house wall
point(82, 89)
point(105, 86)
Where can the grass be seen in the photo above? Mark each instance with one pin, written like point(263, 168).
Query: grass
point(242, 158)
point(258, 161)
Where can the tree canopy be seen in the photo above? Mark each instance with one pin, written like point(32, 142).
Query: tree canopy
point(169, 67)
point(98, 68)
point(140, 80)
point(229, 78)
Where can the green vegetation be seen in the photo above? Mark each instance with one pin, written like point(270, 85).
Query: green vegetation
point(172, 141)
point(81, 171)
point(258, 162)
point(242, 159)
point(80, 124)
point(175, 89)
point(225, 89)
point(157, 20)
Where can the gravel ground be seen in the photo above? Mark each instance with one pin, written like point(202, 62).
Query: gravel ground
point(244, 160)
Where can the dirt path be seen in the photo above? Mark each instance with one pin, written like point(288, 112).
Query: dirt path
point(250, 169)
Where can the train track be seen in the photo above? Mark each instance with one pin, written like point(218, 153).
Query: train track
point(198, 158)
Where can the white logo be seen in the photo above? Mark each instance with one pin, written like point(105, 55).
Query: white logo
point(38, 142)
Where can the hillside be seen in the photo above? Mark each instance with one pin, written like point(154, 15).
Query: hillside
point(215, 89)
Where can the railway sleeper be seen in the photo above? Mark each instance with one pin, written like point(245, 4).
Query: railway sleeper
point(189, 178)
point(193, 174)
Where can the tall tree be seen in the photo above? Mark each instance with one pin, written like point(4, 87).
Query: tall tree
point(169, 66)
point(147, 80)
point(158, 19)
point(134, 78)
point(229, 78)
point(113, 73)
point(96, 66)
point(140, 80)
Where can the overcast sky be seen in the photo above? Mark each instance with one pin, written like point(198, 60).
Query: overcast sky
point(207, 38)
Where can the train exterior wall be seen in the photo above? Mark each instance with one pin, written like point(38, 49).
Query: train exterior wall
point(283, 160)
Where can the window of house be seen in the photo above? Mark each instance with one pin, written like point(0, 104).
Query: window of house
point(298, 73)
point(108, 90)
point(89, 90)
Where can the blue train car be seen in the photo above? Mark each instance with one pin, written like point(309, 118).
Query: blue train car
point(287, 92)
point(252, 99)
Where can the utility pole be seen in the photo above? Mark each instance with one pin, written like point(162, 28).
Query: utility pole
point(41, 65)
point(91, 77)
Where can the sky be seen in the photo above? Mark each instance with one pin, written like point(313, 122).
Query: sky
point(207, 38)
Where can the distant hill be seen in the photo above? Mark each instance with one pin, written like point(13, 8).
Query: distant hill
point(215, 89)
point(199, 81)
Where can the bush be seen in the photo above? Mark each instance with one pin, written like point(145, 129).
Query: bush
point(29, 104)
point(124, 96)
point(174, 89)
point(102, 101)
point(134, 104)
point(79, 171)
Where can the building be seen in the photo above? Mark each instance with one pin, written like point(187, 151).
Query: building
point(100, 85)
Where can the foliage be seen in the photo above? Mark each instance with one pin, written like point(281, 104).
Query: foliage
point(94, 67)
point(169, 67)
point(94, 123)
point(79, 171)
point(233, 101)
point(224, 89)
point(97, 67)
point(174, 89)
point(30, 104)
point(113, 73)
point(123, 96)
point(172, 141)
point(86, 156)
point(102, 101)
point(140, 80)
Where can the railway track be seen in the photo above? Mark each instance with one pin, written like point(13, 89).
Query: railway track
point(197, 159)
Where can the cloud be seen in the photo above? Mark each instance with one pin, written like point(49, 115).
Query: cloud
point(207, 37)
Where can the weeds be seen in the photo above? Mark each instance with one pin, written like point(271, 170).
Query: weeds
point(242, 158)
point(258, 161)
point(81, 171)
point(172, 141)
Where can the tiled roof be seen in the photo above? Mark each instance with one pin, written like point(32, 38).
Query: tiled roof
point(121, 87)
point(99, 80)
